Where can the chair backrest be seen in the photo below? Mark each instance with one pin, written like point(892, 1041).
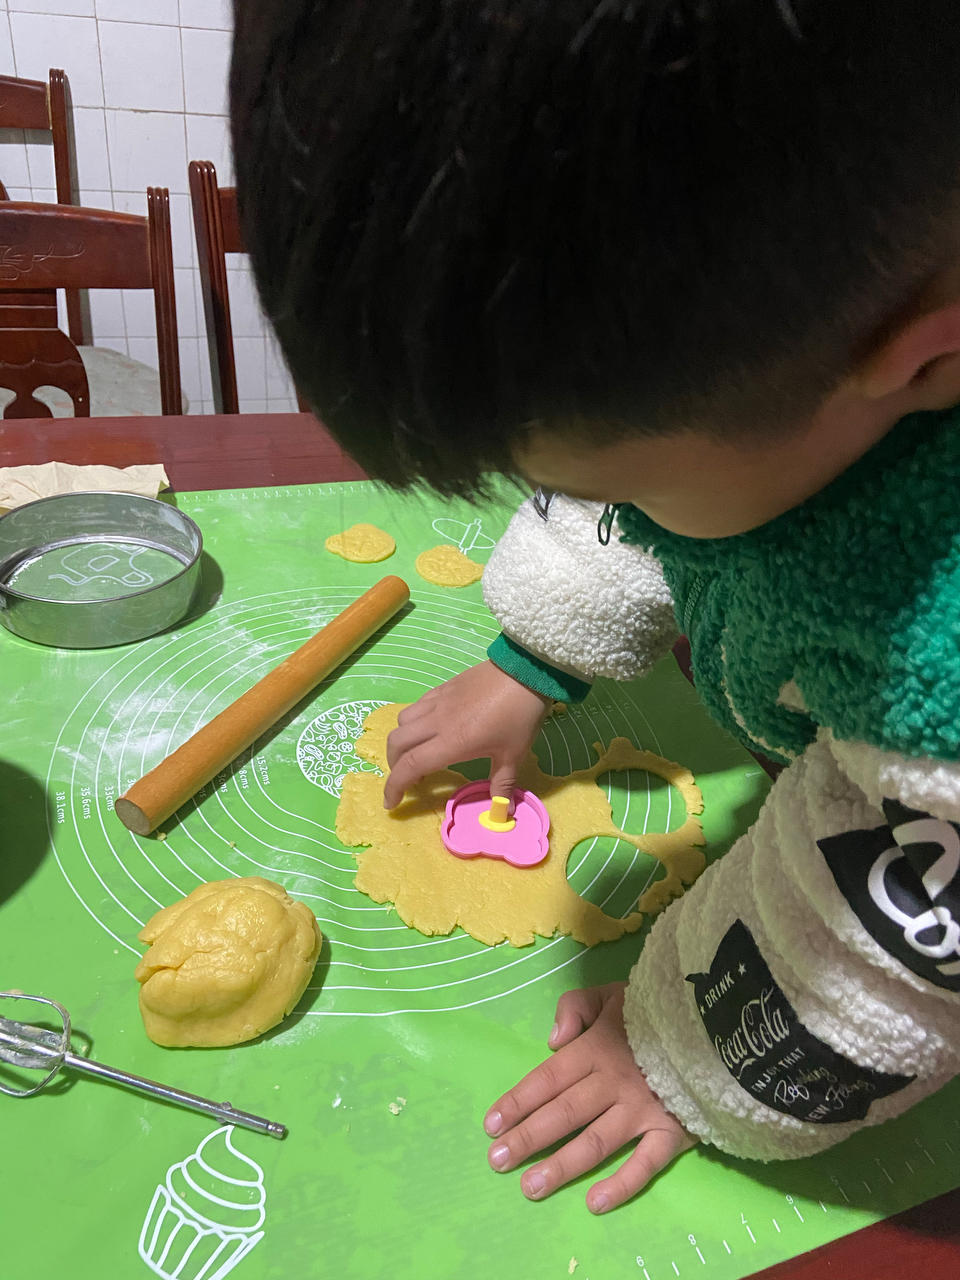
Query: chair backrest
point(45, 247)
point(216, 224)
point(217, 229)
point(44, 106)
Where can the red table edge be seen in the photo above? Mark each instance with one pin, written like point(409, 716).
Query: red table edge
point(217, 451)
point(922, 1241)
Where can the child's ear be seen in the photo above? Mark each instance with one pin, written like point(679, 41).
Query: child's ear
point(922, 356)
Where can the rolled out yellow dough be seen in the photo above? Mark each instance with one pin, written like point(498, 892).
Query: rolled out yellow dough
point(361, 543)
point(447, 566)
point(406, 863)
point(226, 963)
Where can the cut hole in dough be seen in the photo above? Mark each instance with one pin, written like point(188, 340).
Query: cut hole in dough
point(404, 861)
point(611, 873)
point(643, 801)
point(361, 543)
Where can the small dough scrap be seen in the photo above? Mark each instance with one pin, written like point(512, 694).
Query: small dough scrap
point(447, 566)
point(226, 963)
point(362, 543)
point(405, 862)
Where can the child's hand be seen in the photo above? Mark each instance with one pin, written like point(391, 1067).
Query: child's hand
point(481, 712)
point(592, 1083)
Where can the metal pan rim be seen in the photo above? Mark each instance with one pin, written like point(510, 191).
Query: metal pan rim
point(98, 493)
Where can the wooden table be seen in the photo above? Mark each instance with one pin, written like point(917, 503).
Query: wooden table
point(222, 451)
point(247, 450)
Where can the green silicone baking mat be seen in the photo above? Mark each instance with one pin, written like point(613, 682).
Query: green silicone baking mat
point(401, 1042)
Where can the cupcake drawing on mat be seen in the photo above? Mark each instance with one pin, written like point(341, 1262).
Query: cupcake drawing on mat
point(207, 1214)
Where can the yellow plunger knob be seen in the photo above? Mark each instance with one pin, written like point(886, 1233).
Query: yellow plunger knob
point(496, 818)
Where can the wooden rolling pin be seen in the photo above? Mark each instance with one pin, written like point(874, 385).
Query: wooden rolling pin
point(181, 775)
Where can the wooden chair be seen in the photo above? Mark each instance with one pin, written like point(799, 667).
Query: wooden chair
point(45, 247)
point(217, 228)
point(44, 106)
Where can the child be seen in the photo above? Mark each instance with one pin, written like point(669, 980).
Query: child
point(695, 267)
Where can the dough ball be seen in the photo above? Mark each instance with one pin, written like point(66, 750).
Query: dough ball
point(225, 963)
point(361, 543)
point(447, 566)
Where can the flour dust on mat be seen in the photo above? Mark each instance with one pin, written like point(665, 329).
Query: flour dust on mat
point(405, 862)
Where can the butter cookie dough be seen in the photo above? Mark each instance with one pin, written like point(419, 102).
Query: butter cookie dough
point(405, 862)
point(362, 543)
point(446, 566)
point(226, 963)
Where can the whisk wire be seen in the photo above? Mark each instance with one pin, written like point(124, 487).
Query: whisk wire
point(33, 1048)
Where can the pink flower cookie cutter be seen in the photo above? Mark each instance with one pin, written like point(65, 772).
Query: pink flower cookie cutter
point(477, 824)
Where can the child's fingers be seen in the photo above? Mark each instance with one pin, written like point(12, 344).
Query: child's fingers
point(607, 1134)
point(576, 1010)
point(536, 1089)
point(557, 1119)
point(416, 709)
point(653, 1153)
point(414, 764)
point(407, 736)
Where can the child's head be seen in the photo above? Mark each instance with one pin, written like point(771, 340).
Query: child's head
point(489, 233)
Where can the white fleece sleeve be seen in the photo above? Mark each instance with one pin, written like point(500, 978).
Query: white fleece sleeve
point(809, 984)
point(587, 609)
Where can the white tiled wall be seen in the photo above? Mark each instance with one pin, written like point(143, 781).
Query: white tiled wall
point(148, 80)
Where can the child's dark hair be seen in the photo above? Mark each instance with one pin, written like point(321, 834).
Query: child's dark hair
point(470, 216)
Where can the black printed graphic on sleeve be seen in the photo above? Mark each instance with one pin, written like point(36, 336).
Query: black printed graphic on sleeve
point(903, 882)
point(768, 1051)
